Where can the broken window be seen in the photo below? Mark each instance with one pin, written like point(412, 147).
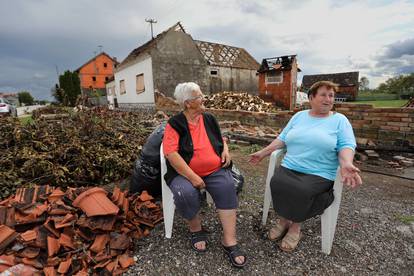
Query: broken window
point(140, 83)
point(122, 89)
point(94, 78)
point(214, 72)
point(274, 77)
point(105, 64)
point(106, 78)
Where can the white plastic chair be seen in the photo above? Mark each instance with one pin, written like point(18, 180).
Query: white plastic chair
point(168, 205)
point(329, 216)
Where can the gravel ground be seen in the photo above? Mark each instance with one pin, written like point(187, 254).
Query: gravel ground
point(374, 235)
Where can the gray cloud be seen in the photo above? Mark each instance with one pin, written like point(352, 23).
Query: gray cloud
point(400, 48)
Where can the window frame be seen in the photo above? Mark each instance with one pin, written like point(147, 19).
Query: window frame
point(136, 83)
point(122, 85)
point(272, 79)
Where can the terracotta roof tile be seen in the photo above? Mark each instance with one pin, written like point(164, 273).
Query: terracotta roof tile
point(94, 202)
point(99, 243)
point(65, 265)
point(29, 235)
point(7, 236)
point(53, 246)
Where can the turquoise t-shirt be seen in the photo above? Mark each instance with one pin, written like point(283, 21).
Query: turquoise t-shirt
point(313, 143)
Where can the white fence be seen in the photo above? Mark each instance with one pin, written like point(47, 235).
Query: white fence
point(27, 109)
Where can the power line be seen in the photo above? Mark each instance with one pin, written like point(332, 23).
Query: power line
point(151, 21)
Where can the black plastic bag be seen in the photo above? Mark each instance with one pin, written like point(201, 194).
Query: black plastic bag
point(238, 178)
point(147, 168)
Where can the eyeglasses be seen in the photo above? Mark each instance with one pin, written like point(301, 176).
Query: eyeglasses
point(201, 97)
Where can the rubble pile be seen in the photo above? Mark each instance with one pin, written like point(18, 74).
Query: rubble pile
point(410, 102)
point(230, 128)
point(238, 101)
point(83, 231)
point(91, 147)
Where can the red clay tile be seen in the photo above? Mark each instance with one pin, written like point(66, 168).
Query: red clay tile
point(49, 225)
point(49, 271)
point(6, 261)
point(112, 265)
point(83, 272)
point(65, 265)
point(145, 196)
point(7, 236)
point(29, 252)
point(94, 202)
point(29, 235)
point(32, 262)
point(102, 264)
point(53, 246)
point(66, 240)
point(56, 195)
point(68, 220)
point(126, 261)
point(115, 194)
point(99, 243)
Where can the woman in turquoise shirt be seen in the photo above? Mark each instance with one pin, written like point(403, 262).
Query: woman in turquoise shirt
point(317, 141)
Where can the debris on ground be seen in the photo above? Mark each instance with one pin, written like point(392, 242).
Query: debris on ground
point(81, 231)
point(91, 147)
point(410, 103)
point(239, 101)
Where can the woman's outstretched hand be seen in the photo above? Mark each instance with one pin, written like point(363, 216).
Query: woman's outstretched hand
point(350, 175)
point(256, 157)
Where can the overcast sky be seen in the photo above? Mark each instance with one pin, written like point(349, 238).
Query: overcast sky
point(375, 37)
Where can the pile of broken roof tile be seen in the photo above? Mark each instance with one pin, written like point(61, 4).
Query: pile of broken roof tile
point(83, 231)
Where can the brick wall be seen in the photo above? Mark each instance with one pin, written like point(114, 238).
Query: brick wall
point(388, 128)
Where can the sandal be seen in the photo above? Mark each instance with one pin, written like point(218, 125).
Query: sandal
point(291, 241)
point(196, 237)
point(233, 252)
point(277, 232)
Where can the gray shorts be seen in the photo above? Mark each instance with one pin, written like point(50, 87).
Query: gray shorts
point(219, 184)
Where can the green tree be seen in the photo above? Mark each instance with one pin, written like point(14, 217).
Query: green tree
point(25, 98)
point(400, 85)
point(364, 84)
point(69, 88)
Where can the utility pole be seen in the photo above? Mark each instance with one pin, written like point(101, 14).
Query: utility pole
point(100, 48)
point(151, 21)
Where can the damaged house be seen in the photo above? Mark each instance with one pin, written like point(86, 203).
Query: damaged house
point(173, 57)
point(348, 84)
point(278, 80)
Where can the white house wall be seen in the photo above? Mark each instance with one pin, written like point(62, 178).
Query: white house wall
point(128, 74)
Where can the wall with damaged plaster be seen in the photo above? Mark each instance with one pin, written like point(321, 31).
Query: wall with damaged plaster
point(233, 79)
point(177, 59)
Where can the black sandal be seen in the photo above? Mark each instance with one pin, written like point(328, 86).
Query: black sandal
point(196, 237)
point(233, 252)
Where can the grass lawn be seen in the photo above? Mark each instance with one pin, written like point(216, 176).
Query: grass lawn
point(387, 103)
point(24, 120)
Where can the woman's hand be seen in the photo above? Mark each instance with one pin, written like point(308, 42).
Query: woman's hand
point(197, 182)
point(256, 157)
point(350, 175)
point(225, 159)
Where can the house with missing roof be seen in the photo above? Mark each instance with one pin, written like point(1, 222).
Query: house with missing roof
point(174, 57)
point(278, 80)
point(348, 83)
point(94, 73)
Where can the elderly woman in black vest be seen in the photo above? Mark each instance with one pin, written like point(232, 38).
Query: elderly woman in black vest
point(198, 158)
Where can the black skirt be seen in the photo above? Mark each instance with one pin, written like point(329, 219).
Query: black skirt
point(297, 196)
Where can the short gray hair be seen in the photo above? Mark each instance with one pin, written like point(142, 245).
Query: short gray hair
point(184, 91)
